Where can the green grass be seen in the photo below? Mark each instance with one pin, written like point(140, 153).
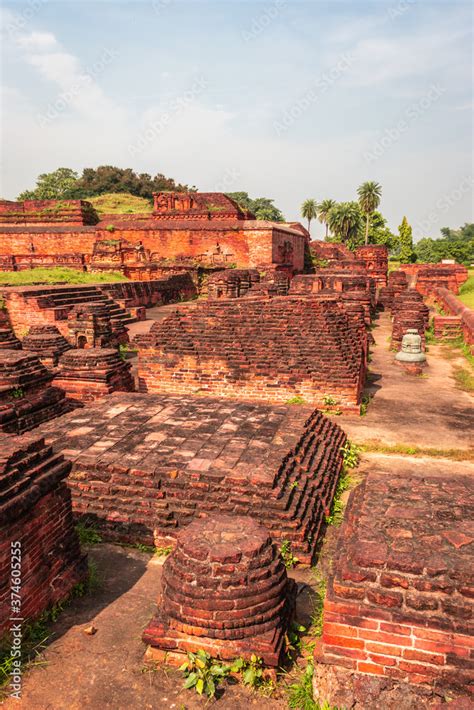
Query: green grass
point(377, 447)
point(464, 379)
point(466, 292)
point(56, 275)
point(120, 203)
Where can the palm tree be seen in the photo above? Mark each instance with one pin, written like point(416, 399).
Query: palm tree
point(309, 210)
point(345, 220)
point(324, 208)
point(369, 199)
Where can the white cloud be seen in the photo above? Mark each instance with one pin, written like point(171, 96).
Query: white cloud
point(37, 41)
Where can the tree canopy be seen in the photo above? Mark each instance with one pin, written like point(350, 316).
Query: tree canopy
point(261, 207)
point(369, 194)
point(455, 244)
point(65, 183)
point(309, 210)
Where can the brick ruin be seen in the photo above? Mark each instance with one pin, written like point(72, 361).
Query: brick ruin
point(409, 311)
point(36, 515)
point(145, 467)
point(26, 395)
point(428, 277)
point(224, 590)
point(90, 325)
point(399, 603)
point(459, 314)
point(375, 257)
point(86, 375)
point(349, 288)
point(397, 283)
point(231, 283)
point(208, 228)
point(263, 349)
point(47, 342)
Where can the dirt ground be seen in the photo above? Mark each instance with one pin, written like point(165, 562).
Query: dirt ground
point(107, 669)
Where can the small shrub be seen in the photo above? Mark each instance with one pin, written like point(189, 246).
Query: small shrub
point(329, 401)
point(163, 551)
point(350, 454)
point(203, 673)
point(289, 560)
point(110, 228)
point(18, 393)
point(88, 535)
point(296, 400)
point(365, 404)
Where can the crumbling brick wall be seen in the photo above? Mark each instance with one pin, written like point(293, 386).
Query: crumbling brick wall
point(399, 603)
point(409, 311)
point(375, 257)
point(36, 529)
point(256, 348)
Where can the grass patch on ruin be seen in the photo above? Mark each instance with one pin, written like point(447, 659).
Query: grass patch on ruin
point(120, 203)
point(377, 447)
point(466, 292)
point(57, 275)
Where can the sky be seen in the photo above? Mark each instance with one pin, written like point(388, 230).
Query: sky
point(282, 99)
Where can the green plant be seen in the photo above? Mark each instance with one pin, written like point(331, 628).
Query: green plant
point(164, 551)
point(300, 694)
point(110, 228)
point(18, 392)
point(293, 484)
point(203, 673)
point(350, 454)
point(88, 534)
point(337, 507)
point(316, 628)
point(289, 560)
point(293, 638)
point(329, 401)
point(296, 400)
point(365, 404)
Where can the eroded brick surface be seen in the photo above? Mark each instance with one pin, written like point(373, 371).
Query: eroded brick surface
point(409, 311)
point(143, 467)
point(400, 601)
point(88, 374)
point(224, 589)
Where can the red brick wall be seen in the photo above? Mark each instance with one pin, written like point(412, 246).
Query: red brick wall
point(49, 241)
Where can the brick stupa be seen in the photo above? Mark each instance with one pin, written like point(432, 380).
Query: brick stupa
point(47, 342)
point(26, 395)
point(224, 590)
point(86, 375)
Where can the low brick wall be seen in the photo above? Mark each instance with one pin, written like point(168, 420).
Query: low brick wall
point(452, 305)
point(36, 517)
point(269, 350)
point(399, 603)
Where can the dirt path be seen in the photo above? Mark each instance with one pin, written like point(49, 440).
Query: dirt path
point(428, 411)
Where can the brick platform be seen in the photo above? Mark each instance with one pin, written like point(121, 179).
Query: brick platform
point(35, 511)
point(26, 397)
point(269, 350)
point(143, 467)
point(86, 375)
point(47, 342)
point(431, 276)
point(224, 590)
point(400, 601)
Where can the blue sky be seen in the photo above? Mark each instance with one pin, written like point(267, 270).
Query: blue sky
point(284, 99)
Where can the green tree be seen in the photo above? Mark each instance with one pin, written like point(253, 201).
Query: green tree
point(407, 254)
point(261, 207)
point(324, 208)
point(379, 233)
point(369, 193)
point(455, 244)
point(309, 211)
point(61, 184)
point(345, 222)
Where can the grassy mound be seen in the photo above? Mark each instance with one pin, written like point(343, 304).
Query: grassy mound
point(120, 203)
point(56, 275)
point(466, 292)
